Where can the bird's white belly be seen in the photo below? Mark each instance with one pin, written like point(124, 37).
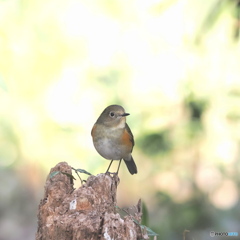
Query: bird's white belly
point(109, 149)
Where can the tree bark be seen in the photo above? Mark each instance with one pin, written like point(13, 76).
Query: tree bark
point(88, 212)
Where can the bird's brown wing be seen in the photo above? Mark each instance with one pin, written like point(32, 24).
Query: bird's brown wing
point(93, 129)
point(130, 134)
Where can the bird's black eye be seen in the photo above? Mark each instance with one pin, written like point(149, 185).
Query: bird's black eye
point(111, 114)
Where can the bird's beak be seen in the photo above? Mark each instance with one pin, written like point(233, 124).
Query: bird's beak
point(125, 114)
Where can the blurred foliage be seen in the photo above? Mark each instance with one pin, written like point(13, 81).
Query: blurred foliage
point(17, 208)
point(145, 214)
point(173, 65)
point(196, 107)
point(154, 143)
point(234, 99)
point(191, 217)
point(219, 8)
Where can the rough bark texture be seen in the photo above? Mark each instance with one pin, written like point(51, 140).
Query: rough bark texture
point(85, 213)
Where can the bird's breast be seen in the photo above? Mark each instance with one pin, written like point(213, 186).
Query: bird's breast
point(108, 143)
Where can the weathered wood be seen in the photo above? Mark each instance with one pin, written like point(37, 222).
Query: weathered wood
point(88, 212)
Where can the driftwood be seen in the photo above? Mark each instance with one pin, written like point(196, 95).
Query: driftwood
point(88, 212)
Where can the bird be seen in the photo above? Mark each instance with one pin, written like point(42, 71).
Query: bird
point(112, 137)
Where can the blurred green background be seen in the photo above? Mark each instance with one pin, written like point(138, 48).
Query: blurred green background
point(174, 65)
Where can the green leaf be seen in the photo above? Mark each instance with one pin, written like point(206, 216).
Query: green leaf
point(82, 171)
point(52, 174)
point(149, 231)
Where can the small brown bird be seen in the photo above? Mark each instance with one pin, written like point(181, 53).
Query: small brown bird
point(113, 138)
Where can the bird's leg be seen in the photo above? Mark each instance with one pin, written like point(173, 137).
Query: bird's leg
point(119, 165)
point(109, 166)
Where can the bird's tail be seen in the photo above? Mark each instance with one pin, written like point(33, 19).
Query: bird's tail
point(132, 168)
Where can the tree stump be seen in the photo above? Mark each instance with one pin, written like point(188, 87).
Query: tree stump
point(88, 212)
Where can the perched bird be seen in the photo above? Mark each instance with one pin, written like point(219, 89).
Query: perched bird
point(113, 138)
